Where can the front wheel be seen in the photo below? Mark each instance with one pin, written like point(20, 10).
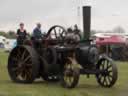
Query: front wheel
point(108, 75)
point(70, 76)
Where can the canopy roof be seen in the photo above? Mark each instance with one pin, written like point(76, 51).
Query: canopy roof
point(110, 40)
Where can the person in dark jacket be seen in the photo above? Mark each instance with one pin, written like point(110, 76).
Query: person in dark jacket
point(37, 35)
point(21, 34)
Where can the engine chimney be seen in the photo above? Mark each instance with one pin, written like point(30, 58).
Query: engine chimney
point(87, 21)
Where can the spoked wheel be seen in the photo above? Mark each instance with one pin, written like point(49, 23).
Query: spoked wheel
point(57, 32)
point(23, 64)
point(70, 77)
point(108, 75)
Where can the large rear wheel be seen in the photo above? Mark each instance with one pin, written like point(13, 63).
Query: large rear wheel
point(23, 64)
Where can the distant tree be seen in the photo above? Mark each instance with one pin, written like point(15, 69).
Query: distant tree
point(108, 31)
point(2, 33)
point(93, 32)
point(10, 34)
point(118, 29)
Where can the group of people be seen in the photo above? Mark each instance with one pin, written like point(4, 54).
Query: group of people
point(73, 34)
point(22, 33)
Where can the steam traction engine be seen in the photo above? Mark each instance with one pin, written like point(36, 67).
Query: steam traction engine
point(58, 57)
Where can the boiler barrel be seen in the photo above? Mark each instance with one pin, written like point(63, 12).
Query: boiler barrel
point(87, 55)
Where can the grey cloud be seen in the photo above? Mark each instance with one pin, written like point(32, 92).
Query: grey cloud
point(60, 12)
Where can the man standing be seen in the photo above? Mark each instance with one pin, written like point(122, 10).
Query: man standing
point(37, 33)
point(37, 36)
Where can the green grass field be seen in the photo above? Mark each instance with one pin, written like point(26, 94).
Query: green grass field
point(86, 87)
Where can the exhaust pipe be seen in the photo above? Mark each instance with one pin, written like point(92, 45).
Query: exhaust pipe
point(86, 22)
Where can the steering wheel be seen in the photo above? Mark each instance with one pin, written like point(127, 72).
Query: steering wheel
point(56, 32)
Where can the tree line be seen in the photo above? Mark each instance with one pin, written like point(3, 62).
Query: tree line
point(10, 34)
point(118, 29)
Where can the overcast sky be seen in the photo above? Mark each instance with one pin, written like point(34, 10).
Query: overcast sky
point(106, 14)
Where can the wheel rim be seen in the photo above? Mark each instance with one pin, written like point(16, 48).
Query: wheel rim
point(108, 75)
point(21, 65)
